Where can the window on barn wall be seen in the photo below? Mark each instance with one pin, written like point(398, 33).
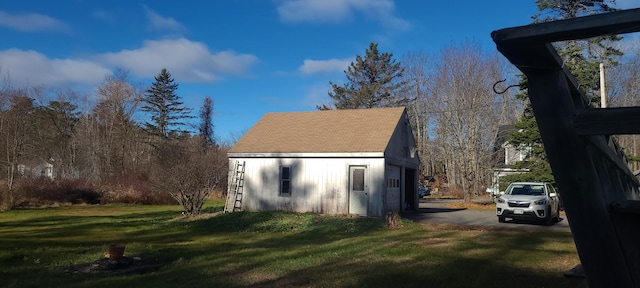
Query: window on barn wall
point(285, 180)
point(393, 183)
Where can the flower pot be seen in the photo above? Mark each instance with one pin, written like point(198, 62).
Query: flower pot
point(116, 251)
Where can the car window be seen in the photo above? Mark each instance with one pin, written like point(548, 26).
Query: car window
point(537, 189)
point(551, 189)
point(526, 189)
point(517, 190)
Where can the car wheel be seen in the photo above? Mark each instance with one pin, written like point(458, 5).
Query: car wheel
point(501, 219)
point(548, 220)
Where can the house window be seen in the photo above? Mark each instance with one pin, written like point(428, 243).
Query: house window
point(285, 180)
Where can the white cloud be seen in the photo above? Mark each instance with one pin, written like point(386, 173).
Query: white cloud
point(32, 22)
point(317, 66)
point(320, 11)
point(32, 68)
point(162, 23)
point(186, 60)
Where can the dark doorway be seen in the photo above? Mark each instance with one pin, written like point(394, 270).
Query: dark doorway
point(410, 189)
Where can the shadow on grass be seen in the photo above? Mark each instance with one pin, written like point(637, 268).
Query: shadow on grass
point(282, 249)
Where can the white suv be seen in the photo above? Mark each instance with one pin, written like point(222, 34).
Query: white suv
point(530, 201)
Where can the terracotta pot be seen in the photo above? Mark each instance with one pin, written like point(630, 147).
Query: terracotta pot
point(116, 251)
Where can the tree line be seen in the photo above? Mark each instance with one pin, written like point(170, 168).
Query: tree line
point(75, 149)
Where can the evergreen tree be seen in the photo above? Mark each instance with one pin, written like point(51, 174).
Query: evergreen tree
point(374, 80)
point(582, 58)
point(167, 112)
point(206, 123)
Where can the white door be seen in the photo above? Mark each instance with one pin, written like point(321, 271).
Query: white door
point(358, 190)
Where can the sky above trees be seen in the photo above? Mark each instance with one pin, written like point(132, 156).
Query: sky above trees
point(250, 57)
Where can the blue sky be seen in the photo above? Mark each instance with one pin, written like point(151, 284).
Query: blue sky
point(250, 56)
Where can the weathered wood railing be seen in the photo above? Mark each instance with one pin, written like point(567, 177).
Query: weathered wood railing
point(600, 193)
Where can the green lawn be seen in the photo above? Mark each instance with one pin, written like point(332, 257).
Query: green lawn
point(276, 249)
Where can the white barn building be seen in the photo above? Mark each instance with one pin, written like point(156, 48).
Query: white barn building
point(361, 162)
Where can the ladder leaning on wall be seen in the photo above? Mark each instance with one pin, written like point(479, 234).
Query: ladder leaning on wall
point(234, 193)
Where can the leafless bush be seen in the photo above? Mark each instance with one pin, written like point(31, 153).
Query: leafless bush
point(188, 172)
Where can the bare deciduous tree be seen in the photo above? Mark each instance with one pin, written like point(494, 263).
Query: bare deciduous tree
point(468, 113)
point(55, 129)
point(419, 79)
point(16, 132)
point(114, 150)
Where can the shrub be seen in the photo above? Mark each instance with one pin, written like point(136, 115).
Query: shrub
point(44, 191)
point(134, 192)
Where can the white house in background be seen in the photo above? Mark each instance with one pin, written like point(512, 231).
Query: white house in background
point(506, 156)
point(361, 162)
point(36, 169)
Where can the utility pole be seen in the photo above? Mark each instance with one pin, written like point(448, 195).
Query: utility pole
point(603, 90)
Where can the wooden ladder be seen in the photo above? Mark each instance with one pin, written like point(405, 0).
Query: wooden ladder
point(234, 193)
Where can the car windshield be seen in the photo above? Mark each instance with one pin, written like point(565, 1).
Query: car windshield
point(526, 189)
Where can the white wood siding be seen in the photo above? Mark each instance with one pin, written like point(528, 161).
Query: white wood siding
point(402, 142)
point(318, 185)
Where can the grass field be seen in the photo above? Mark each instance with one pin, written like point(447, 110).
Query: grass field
point(41, 247)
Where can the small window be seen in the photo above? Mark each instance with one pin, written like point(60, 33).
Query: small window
point(393, 183)
point(285, 180)
point(357, 182)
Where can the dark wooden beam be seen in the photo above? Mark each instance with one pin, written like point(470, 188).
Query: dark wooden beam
point(619, 22)
point(542, 57)
point(626, 207)
point(607, 121)
point(579, 170)
point(609, 154)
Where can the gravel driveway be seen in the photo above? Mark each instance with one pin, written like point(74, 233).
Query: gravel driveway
point(436, 211)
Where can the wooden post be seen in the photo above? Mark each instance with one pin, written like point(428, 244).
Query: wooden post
point(603, 88)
